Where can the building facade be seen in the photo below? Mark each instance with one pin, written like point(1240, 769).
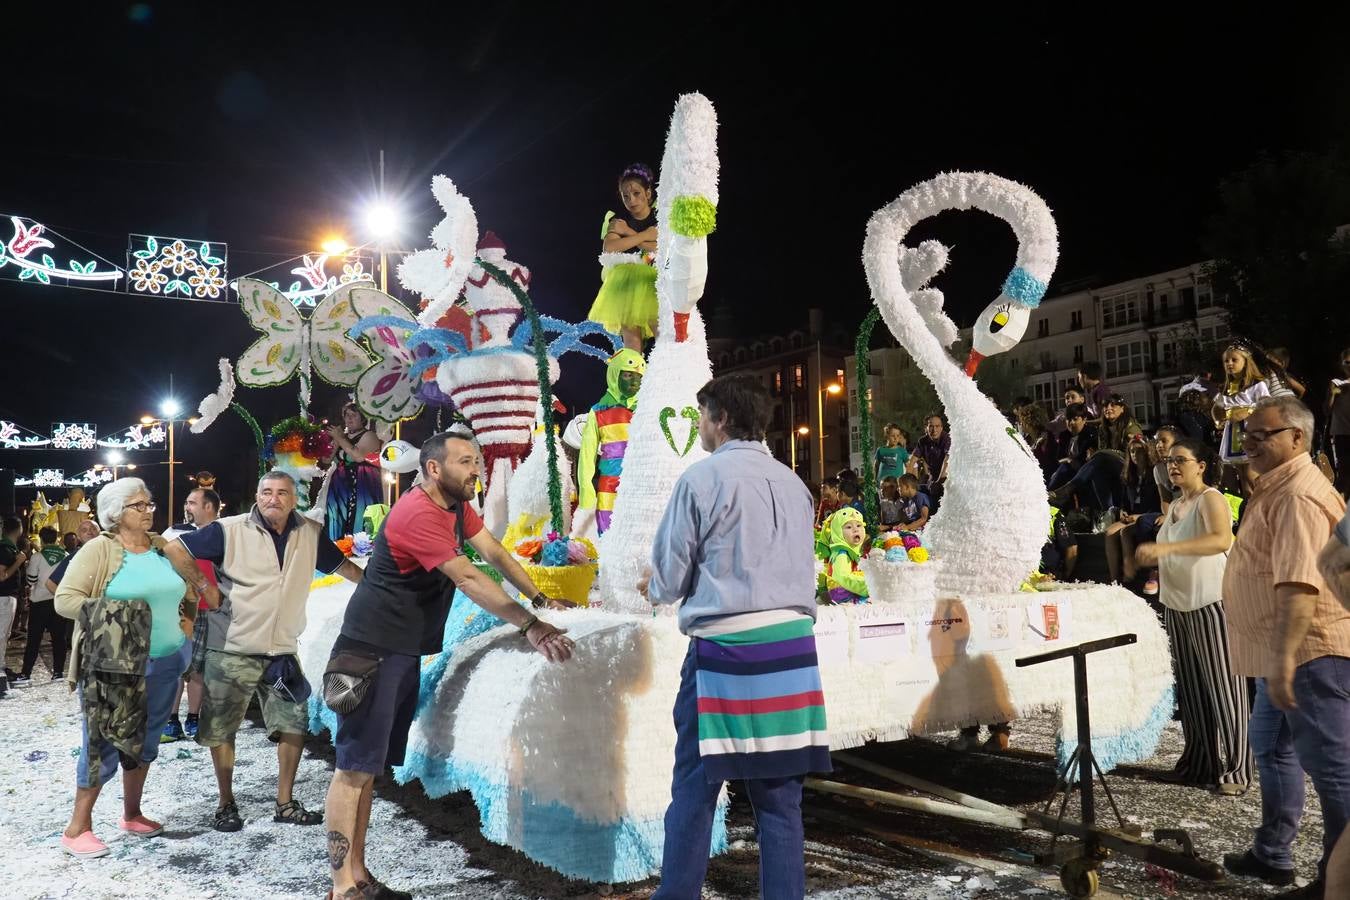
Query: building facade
point(803, 369)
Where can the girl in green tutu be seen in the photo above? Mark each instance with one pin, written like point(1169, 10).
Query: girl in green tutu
point(626, 303)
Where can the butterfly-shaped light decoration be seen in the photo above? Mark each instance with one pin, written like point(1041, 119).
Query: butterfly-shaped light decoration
point(388, 390)
point(294, 345)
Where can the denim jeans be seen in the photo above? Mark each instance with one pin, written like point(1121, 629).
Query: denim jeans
point(1098, 481)
point(1314, 737)
point(693, 803)
point(161, 686)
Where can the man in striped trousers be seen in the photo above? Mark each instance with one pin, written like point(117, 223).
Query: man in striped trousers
point(736, 545)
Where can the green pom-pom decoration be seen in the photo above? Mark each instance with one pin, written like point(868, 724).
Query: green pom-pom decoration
point(693, 217)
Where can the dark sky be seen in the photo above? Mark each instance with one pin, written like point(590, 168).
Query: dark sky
point(259, 126)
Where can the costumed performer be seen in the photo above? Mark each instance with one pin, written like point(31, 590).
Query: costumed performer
point(626, 303)
point(356, 481)
point(604, 437)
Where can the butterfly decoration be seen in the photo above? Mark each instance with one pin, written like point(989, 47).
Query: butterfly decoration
point(292, 344)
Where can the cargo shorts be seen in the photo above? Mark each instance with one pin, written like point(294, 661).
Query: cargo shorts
point(229, 681)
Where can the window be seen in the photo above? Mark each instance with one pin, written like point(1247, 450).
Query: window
point(740, 355)
point(776, 345)
point(1170, 355)
point(777, 417)
point(1047, 361)
point(796, 340)
point(843, 413)
point(839, 375)
point(854, 440)
point(723, 360)
point(1043, 328)
point(1125, 359)
point(798, 375)
point(757, 348)
point(1120, 310)
point(1164, 305)
point(1187, 298)
point(1044, 393)
point(778, 383)
point(1077, 353)
point(1076, 320)
point(1203, 298)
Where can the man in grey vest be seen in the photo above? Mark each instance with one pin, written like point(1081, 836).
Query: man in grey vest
point(265, 561)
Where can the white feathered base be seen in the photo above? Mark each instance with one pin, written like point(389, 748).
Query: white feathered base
point(571, 763)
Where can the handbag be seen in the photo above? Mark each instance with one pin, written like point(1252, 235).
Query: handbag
point(347, 680)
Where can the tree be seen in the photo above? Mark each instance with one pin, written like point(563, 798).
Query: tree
point(1281, 250)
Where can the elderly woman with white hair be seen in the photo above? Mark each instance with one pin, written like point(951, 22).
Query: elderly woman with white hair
point(124, 563)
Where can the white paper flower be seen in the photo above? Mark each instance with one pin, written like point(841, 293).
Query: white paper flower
point(213, 405)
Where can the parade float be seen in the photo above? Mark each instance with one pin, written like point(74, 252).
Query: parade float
point(570, 763)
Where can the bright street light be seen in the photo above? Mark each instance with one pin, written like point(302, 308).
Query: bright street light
point(170, 407)
point(382, 219)
point(335, 246)
point(147, 420)
point(114, 457)
point(834, 389)
point(802, 429)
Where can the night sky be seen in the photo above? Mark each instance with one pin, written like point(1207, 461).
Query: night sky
point(260, 125)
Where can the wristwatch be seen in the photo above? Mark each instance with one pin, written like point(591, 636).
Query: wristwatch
point(539, 600)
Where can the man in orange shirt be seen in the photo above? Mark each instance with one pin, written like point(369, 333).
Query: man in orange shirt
point(1290, 633)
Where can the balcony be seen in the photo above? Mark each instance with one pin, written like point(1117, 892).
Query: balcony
point(1171, 315)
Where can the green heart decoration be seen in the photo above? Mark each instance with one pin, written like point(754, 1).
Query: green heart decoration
point(690, 413)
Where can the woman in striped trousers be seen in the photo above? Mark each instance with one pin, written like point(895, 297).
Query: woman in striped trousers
point(1190, 553)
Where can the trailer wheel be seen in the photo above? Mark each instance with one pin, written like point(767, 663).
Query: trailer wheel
point(1079, 877)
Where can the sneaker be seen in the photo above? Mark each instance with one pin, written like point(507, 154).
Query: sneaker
point(1248, 865)
point(141, 827)
point(190, 726)
point(1151, 584)
point(20, 680)
point(86, 846)
point(173, 731)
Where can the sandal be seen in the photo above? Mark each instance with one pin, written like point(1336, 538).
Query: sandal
point(294, 813)
point(227, 818)
point(381, 891)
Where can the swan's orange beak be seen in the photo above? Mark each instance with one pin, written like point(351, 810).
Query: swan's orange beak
point(973, 362)
point(681, 327)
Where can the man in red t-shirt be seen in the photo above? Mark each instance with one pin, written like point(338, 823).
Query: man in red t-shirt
point(397, 615)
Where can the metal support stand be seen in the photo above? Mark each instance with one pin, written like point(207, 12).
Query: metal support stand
point(1078, 861)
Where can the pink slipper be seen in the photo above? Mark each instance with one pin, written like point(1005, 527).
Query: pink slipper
point(86, 846)
point(141, 826)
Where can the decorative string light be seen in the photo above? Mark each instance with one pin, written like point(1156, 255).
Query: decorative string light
point(74, 436)
point(176, 266)
point(29, 238)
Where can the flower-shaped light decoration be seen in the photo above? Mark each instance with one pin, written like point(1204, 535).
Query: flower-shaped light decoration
point(147, 278)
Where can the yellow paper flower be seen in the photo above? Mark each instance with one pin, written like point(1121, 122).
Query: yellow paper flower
point(918, 555)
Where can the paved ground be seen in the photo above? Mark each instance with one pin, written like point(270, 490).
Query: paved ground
point(434, 847)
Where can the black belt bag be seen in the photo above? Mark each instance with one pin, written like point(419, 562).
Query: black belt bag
point(348, 679)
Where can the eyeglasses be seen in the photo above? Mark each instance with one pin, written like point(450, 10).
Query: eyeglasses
point(140, 506)
point(1175, 461)
point(1261, 435)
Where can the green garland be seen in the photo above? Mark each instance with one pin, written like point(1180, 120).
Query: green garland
point(257, 433)
point(862, 371)
point(545, 391)
point(301, 423)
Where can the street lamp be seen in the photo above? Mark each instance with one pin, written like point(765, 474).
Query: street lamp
point(800, 430)
point(169, 409)
point(335, 246)
point(833, 390)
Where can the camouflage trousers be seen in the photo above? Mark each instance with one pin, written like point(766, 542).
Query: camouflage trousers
point(229, 682)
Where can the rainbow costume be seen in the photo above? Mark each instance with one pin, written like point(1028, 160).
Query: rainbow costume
point(605, 438)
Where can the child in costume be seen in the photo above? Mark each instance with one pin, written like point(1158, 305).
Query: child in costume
point(845, 533)
point(1244, 386)
point(604, 437)
point(626, 303)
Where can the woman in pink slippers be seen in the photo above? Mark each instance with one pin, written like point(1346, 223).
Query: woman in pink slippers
point(126, 600)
